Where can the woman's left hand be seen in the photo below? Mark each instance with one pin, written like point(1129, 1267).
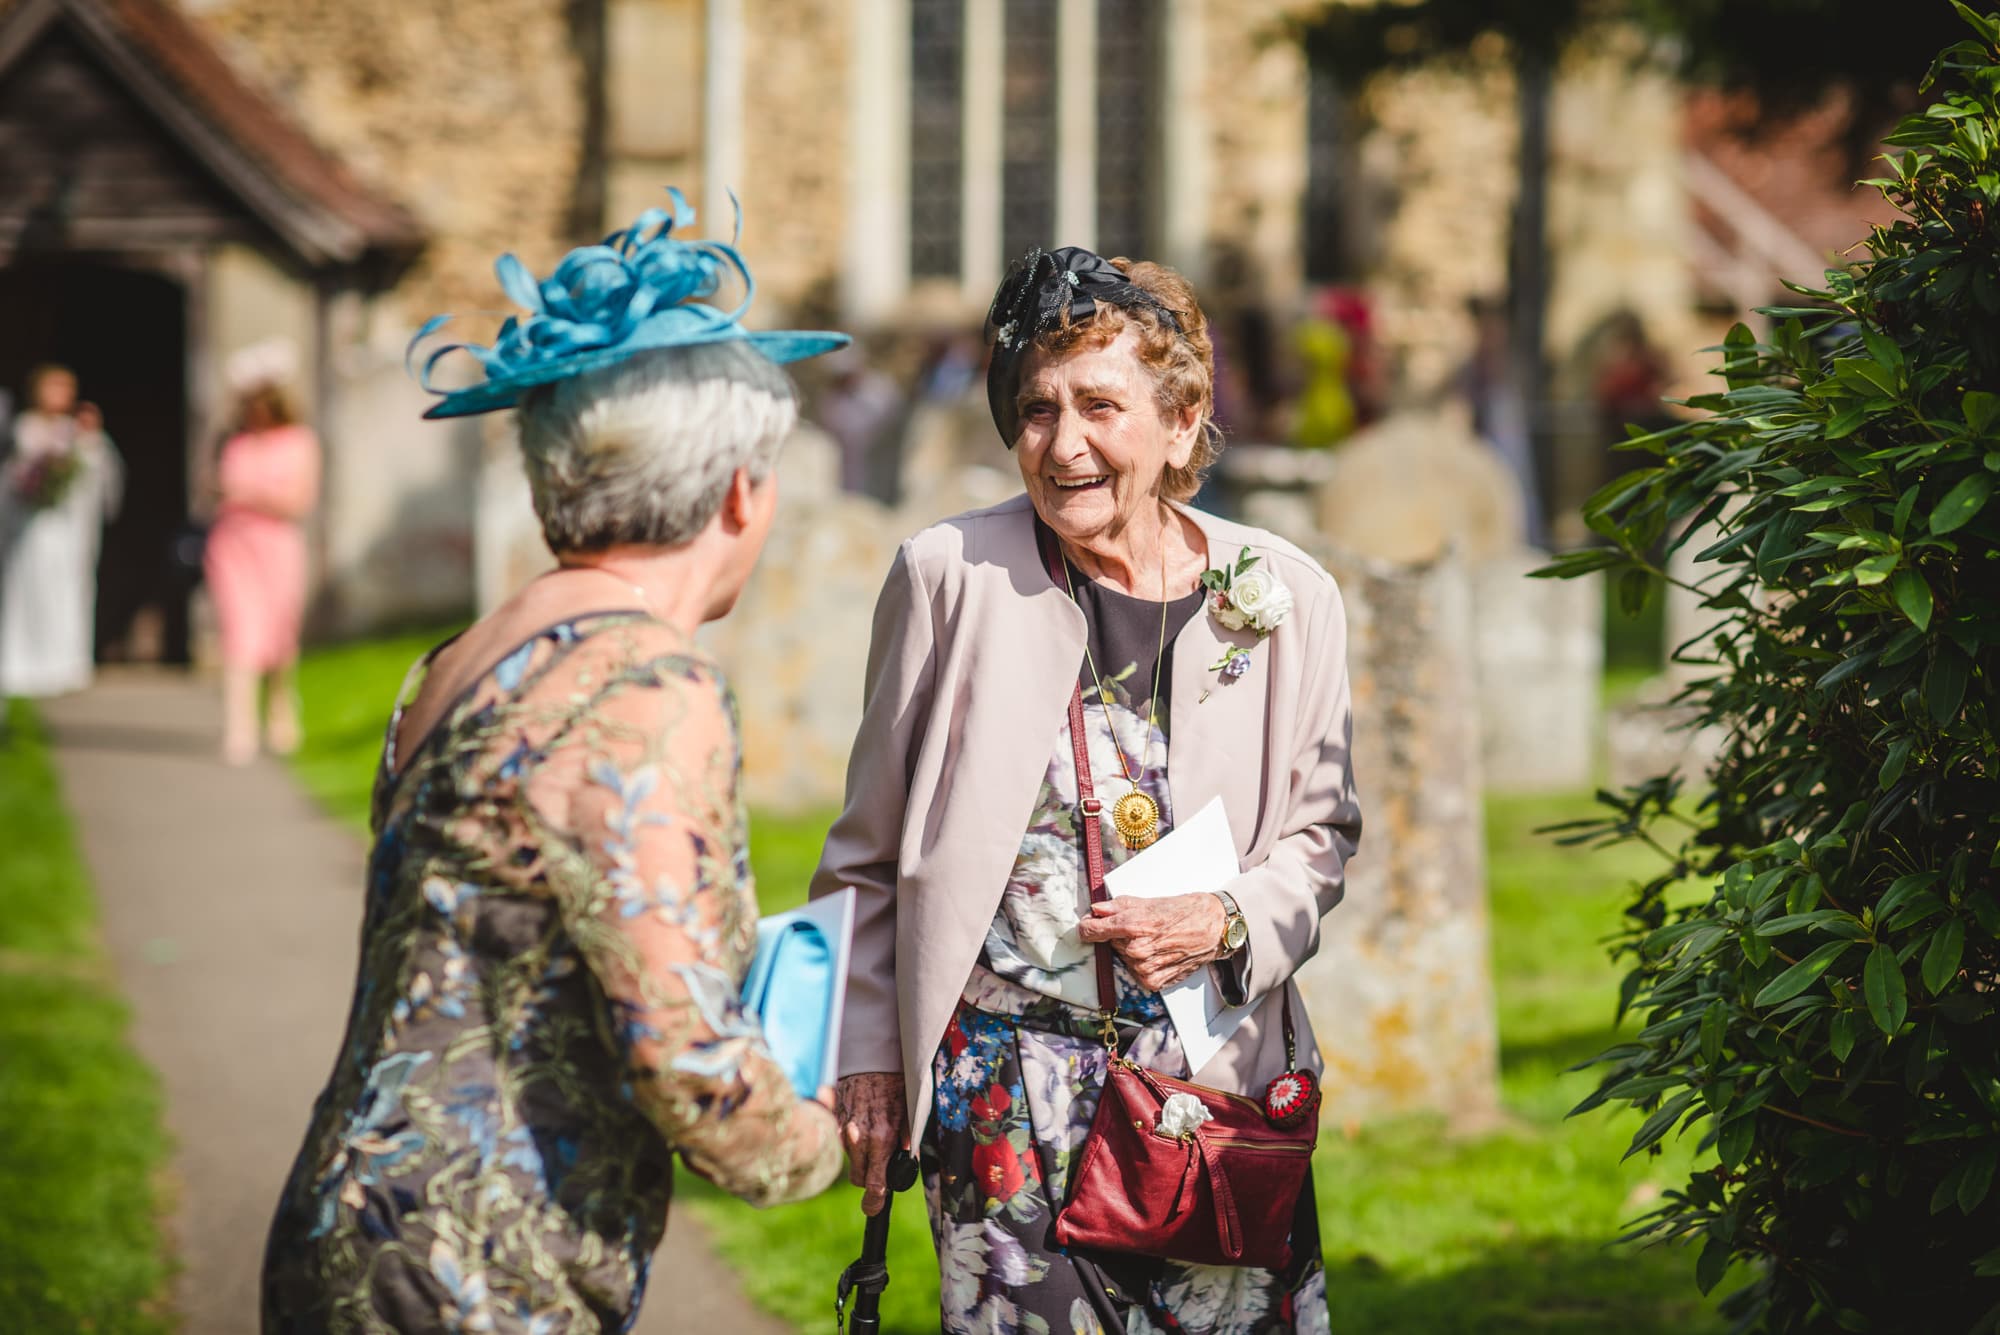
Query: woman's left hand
point(1162, 940)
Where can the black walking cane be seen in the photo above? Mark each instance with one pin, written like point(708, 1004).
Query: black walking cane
point(869, 1274)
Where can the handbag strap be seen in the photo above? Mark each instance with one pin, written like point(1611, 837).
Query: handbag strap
point(1093, 830)
point(1087, 801)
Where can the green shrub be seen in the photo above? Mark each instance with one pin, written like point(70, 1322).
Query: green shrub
point(1824, 1014)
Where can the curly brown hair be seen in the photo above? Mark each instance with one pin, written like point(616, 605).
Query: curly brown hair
point(1181, 361)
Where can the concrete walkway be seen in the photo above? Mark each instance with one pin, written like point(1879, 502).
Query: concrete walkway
point(230, 907)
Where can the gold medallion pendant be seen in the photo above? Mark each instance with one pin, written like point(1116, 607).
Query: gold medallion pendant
point(1136, 817)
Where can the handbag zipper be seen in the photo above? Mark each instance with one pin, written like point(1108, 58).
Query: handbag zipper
point(1271, 1147)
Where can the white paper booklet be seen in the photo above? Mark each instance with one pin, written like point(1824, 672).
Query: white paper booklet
point(1199, 854)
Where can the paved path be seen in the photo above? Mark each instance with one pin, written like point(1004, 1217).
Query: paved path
point(230, 908)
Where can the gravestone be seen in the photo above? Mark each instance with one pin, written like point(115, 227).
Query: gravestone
point(1401, 992)
point(1420, 485)
point(1539, 660)
point(1415, 485)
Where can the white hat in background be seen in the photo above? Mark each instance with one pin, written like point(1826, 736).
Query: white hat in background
point(273, 361)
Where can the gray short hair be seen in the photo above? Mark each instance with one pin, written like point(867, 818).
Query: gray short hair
point(641, 452)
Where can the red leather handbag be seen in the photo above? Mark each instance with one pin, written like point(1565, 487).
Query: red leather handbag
point(1224, 1193)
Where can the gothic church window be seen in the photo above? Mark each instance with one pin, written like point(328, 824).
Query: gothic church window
point(1032, 82)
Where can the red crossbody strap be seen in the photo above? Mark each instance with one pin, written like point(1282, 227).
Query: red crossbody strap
point(1086, 793)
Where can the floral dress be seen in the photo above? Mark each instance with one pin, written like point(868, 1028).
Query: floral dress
point(1021, 1067)
point(559, 913)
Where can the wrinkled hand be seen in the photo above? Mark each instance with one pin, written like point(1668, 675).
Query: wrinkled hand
point(873, 1124)
point(1162, 940)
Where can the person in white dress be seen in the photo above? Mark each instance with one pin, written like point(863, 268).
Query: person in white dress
point(62, 482)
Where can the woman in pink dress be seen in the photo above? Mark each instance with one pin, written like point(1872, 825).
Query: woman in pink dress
point(268, 481)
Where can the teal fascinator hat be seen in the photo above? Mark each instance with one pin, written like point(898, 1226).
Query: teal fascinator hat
point(643, 288)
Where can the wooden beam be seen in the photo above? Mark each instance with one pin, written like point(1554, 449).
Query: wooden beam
point(315, 236)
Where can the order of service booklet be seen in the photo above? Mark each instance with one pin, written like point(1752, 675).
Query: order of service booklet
point(1199, 854)
point(797, 987)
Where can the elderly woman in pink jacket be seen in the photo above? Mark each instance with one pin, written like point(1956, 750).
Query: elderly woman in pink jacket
point(1210, 661)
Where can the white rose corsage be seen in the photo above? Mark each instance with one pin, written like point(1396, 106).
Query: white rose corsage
point(1245, 596)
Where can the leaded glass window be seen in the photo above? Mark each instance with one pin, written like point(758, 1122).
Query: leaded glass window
point(1028, 127)
point(937, 137)
point(1127, 140)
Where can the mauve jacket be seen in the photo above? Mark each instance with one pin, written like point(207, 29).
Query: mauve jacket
point(974, 654)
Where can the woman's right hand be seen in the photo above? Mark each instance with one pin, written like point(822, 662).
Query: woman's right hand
point(872, 1117)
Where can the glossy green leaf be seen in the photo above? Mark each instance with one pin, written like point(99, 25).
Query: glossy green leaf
point(1712, 1264)
point(1913, 594)
point(1841, 1034)
point(1733, 1142)
point(1981, 409)
point(1902, 888)
point(1876, 568)
point(1893, 763)
point(1739, 348)
point(1961, 504)
point(1882, 983)
point(1714, 1031)
point(1941, 960)
point(1655, 1127)
point(1801, 975)
point(1945, 690)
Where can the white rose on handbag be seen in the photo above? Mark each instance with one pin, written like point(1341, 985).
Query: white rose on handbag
point(1181, 1114)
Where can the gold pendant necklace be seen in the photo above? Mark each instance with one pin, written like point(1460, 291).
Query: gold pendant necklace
point(1135, 816)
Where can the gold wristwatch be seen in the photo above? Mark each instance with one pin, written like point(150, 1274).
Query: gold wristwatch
point(1235, 931)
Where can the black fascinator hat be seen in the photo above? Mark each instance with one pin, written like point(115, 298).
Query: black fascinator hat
point(1044, 290)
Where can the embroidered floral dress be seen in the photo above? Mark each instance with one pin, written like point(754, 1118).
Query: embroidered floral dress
point(559, 913)
point(1021, 1067)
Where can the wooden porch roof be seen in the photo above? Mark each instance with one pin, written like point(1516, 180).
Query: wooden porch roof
point(157, 65)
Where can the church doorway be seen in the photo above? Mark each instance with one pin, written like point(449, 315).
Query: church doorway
point(124, 332)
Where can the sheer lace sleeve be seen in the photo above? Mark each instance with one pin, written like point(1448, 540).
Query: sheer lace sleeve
point(660, 906)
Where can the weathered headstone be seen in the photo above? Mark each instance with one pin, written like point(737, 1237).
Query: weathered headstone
point(1416, 485)
point(1539, 658)
point(1420, 485)
point(1401, 991)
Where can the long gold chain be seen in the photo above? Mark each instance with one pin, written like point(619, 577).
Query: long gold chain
point(1159, 658)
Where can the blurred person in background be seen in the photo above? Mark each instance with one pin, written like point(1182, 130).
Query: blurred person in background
point(1630, 381)
point(859, 406)
point(63, 482)
point(560, 909)
point(267, 482)
point(983, 973)
point(1499, 416)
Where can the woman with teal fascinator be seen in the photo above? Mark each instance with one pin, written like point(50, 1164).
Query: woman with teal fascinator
point(559, 907)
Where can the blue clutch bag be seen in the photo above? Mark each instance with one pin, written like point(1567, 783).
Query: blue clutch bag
point(795, 986)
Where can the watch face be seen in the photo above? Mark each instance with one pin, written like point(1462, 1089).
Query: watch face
point(1236, 934)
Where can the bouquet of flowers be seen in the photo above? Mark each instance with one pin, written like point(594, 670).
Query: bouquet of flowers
point(44, 478)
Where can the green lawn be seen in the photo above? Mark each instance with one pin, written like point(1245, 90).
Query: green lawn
point(80, 1138)
point(1425, 1234)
